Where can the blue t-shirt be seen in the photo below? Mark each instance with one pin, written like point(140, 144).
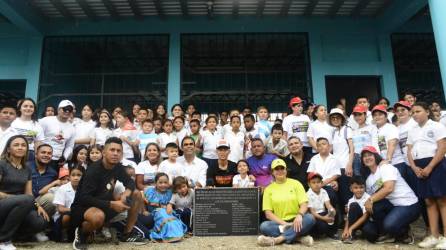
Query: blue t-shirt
point(145, 139)
point(264, 127)
point(261, 169)
point(41, 180)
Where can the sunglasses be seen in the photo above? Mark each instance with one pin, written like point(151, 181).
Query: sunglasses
point(67, 109)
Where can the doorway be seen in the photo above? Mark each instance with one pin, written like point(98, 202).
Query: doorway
point(11, 91)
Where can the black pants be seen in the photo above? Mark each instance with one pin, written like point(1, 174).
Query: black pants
point(321, 228)
point(354, 213)
point(186, 217)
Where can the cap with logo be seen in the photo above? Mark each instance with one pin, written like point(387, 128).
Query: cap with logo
point(278, 163)
point(222, 143)
point(295, 100)
point(65, 103)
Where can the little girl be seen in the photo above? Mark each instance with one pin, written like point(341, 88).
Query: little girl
point(183, 201)
point(179, 130)
point(209, 140)
point(168, 228)
point(94, 153)
point(319, 127)
point(243, 180)
point(236, 140)
point(79, 158)
point(103, 129)
point(166, 137)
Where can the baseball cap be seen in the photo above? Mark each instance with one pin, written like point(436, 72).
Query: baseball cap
point(380, 108)
point(359, 109)
point(369, 149)
point(63, 172)
point(278, 163)
point(337, 111)
point(404, 104)
point(222, 144)
point(65, 103)
point(295, 100)
point(313, 175)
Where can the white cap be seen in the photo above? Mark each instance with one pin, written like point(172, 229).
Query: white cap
point(65, 103)
point(336, 111)
point(222, 143)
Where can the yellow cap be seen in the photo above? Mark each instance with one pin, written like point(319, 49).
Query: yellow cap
point(278, 163)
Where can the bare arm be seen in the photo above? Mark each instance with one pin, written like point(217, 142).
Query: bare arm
point(391, 146)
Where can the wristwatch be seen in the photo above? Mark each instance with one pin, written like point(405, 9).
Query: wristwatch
point(36, 205)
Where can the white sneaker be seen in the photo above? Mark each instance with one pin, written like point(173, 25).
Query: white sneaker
point(441, 243)
point(41, 237)
point(429, 242)
point(265, 241)
point(106, 232)
point(7, 246)
point(306, 240)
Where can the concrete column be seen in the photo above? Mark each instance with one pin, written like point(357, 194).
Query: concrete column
point(437, 11)
point(174, 77)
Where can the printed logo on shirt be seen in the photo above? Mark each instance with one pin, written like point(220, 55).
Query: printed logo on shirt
point(298, 127)
point(29, 135)
point(403, 139)
point(224, 180)
point(382, 143)
point(376, 186)
point(430, 134)
point(59, 138)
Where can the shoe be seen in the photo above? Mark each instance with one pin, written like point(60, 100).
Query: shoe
point(348, 240)
point(134, 238)
point(41, 237)
point(7, 246)
point(106, 232)
point(306, 240)
point(265, 241)
point(385, 239)
point(408, 239)
point(334, 236)
point(429, 242)
point(441, 243)
point(80, 241)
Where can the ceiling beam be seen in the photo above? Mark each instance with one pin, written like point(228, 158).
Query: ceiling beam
point(285, 7)
point(398, 13)
point(87, 10)
point(335, 8)
point(111, 9)
point(235, 8)
point(159, 9)
point(62, 9)
point(310, 7)
point(359, 7)
point(260, 8)
point(23, 15)
point(184, 8)
point(135, 10)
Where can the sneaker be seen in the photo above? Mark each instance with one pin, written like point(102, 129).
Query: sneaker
point(79, 242)
point(7, 246)
point(348, 240)
point(106, 232)
point(41, 237)
point(306, 240)
point(408, 239)
point(441, 243)
point(429, 242)
point(265, 241)
point(134, 238)
point(385, 239)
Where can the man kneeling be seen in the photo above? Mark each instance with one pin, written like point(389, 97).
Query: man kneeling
point(94, 205)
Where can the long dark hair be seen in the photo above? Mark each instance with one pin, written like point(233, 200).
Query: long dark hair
point(73, 162)
point(110, 119)
point(157, 148)
point(19, 106)
point(6, 155)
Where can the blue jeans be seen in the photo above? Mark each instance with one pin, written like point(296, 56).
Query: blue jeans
point(271, 228)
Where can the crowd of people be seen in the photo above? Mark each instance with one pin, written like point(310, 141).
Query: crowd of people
point(131, 176)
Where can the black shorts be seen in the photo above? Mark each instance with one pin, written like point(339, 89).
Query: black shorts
point(77, 215)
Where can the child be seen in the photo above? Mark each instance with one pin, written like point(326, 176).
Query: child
point(319, 127)
point(168, 228)
point(243, 180)
point(103, 129)
point(167, 136)
point(143, 114)
point(250, 133)
point(127, 133)
point(209, 139)
point(320, 207)
point(179, 130)
point(356, 213)
point(62, 199)
point(195, 134)
point(146, 136)
point(275, 144)
point(328, 167)
point(297, 123)
point(94, 153)
point(263, 124)
point(236, 139)
point(182, 200)
point(157, 125)
point(170, 166)
point(79, 158)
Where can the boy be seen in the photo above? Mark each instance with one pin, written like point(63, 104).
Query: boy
point(263, 124)
point(146, 136)
point(320, 207)
point(250, 133)
point(275, 144)
point(195, 127)
point(157, 125)
point(236, 139)
point(328, 167)
point(356, 213)
point(297, 123)
point(170, 166)
point(143, 114)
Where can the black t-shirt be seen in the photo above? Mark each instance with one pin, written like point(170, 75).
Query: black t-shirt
point(219, 177)
point(297, 171)
point(13, 180)
point(97, 185)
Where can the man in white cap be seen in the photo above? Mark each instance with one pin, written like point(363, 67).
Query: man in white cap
point(221, 171)
point(59, 133)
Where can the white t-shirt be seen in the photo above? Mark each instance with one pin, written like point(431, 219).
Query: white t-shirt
point(340, 144)
point(424, 139)
point(317, 201)
point(32, 131)
point(403, 134)
point(165, 139)
point(60, 135)
point(402, 194)
point(354, 125)
point(236, 143)
point(361, 201)
point(171, 169)
point(297, 125)
point(195, 171)
point(5, 135)
point(131, 136)
point(101, 135)
point(327, 169)
point(384, 135)
point(242, 183)
point(254, 133)
point(209, 141)
point(64, 196)
point(364, 136)
point(318, 129)
point(148, 170)
point(83, 129)
point(181, 134)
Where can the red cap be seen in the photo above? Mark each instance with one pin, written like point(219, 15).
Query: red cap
point(404, 104)
point(313, 175)
point(359, 109)
point(63, 172)
point(295, 100)
point(369, 149)
point(380, 108)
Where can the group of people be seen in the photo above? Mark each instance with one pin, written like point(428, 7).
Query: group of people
point(133, 176)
